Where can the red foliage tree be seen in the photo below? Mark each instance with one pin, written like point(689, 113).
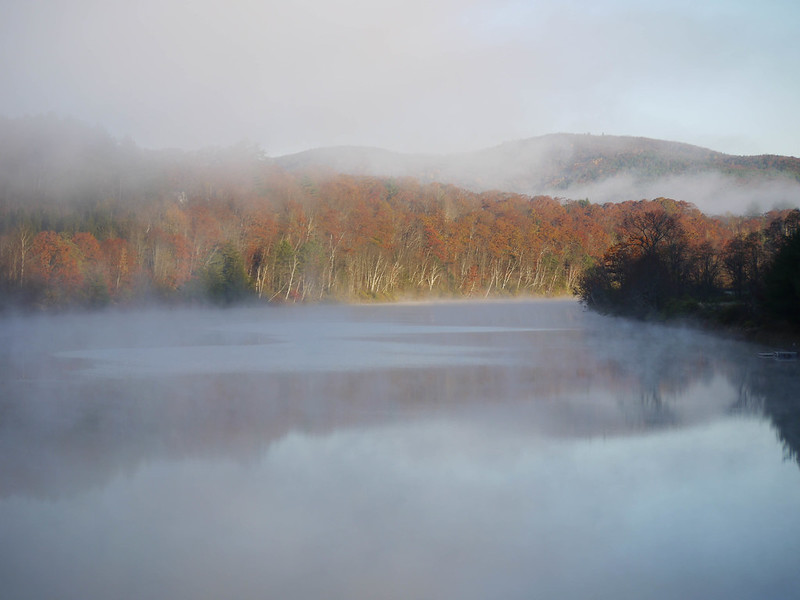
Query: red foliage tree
point(56, 266)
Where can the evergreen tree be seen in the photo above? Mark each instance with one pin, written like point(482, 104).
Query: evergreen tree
point(782, 283)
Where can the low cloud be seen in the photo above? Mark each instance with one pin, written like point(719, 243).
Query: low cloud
point(712, 193)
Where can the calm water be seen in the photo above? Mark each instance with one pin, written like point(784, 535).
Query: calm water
point(464, 451)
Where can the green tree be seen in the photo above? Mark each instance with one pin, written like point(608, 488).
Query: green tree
point(225, 277)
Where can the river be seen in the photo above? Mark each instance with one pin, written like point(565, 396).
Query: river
point(449, 450)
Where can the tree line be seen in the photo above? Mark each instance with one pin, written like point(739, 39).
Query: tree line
point(296, 238)
point(89, 220)
point(228, 233)
point(662, 264)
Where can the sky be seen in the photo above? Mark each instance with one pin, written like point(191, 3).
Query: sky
point(408, 75)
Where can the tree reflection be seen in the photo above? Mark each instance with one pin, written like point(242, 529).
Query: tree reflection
point(63, 430)
point(778, 385)
point(656, 412)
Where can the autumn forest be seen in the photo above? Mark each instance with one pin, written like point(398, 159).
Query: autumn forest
point(110, 223)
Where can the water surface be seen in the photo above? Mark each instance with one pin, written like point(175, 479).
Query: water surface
point(496, 450)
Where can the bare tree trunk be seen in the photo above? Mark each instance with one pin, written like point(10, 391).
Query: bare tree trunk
point(291, 276)
point(24, 245)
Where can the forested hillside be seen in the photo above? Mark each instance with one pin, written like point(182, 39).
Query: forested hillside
point(556, 161)
point(89, 220)
point(601, 168)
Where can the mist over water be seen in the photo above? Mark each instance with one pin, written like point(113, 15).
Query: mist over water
point(455, 450)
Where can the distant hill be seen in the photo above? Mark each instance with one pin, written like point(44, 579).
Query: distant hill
point(602, 168)
point(49, 158)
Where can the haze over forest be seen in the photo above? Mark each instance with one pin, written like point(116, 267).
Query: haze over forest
point(598, 168)
point(90, 219)
point(66, 156)
point(468, 92)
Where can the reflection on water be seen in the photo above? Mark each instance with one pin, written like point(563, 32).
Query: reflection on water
point(411, 451)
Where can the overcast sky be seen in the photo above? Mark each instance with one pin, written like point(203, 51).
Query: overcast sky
point(408, 75)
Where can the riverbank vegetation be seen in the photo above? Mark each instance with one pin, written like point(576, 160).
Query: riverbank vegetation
point(662, 266)
point(297, 238)
point(91, 221)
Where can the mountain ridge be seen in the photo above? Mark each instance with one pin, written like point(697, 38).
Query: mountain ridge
point(65, 160)
point(601, 167)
